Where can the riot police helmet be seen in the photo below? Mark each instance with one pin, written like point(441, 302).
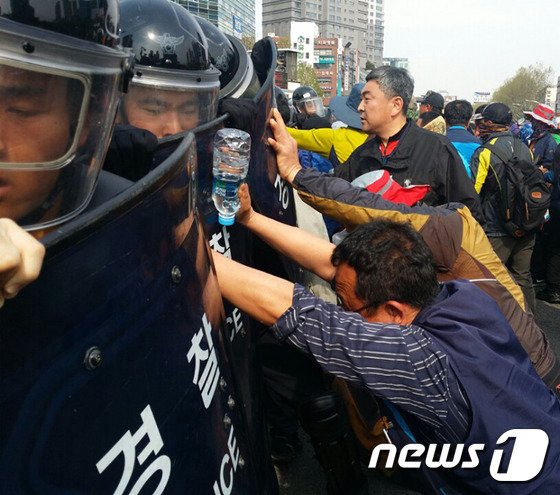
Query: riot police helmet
point(62, 72)
point(175, 88)
point(237, 76)
point(306, 100)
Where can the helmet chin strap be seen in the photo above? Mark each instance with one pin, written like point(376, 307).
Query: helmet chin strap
point(38, 213)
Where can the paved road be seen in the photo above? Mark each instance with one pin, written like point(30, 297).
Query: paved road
point(305, 477)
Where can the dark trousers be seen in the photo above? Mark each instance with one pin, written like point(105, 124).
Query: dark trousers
point(551, 236)
point(515, 254)
point(291, 377)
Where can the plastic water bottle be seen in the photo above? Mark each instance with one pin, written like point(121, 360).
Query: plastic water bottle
point(232, 149)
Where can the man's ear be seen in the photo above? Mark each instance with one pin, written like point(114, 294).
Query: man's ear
point(395, 310)
point(397, 106)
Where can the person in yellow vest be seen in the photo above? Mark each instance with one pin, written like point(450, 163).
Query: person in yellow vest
point(336, 144)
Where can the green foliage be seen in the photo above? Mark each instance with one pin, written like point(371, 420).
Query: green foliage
point(522, 90)
point(283, 42)
point(369, 65)
point(248, 42)
point(306, 77)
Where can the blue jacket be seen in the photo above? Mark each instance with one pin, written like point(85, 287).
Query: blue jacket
point(543, 150)
point(496, 375)
point(465, 144)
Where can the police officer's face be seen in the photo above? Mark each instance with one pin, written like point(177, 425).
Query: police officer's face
point(310, 108)
point(161, 112)
point(34, 128)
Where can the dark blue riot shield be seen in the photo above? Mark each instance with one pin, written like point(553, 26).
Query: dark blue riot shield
point(114, 373)
point(273, 198)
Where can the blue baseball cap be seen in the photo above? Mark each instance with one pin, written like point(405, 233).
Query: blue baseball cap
point(345, 108)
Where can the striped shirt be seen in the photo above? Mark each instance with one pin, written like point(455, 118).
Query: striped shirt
point(401, 364)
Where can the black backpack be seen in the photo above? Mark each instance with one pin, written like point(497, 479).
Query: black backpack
point(524, 193)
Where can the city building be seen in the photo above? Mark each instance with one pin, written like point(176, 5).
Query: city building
point(326, 64)
point(558, 96)
point(550, 96)
point(302, 38)
point(358, 22)
point(234, 17)
point(286, 67)
point(402, 63)
point(375, 32)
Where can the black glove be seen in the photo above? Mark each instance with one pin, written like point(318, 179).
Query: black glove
point(242, 112)
point(131, 152)
point(298, 120)
point(261, 55)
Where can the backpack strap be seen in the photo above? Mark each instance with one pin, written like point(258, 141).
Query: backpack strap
point(500, 153)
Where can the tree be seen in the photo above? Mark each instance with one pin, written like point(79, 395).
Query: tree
point(369, 65)
point(283, 42)
point(306, 77)
point(248, 42)
point(522, 90)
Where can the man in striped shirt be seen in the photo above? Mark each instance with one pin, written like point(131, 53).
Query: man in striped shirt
point(453, 370)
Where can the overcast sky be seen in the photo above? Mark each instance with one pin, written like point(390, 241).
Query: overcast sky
point(464, 46)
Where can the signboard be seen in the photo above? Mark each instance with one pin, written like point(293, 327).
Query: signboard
point(326, 59)
point(481, 96)
point(237, 27)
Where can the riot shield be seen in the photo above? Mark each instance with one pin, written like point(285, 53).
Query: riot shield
point(272, 196)
point(114, 376)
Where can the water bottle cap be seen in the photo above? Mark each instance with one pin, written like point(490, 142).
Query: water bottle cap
point(223, 220)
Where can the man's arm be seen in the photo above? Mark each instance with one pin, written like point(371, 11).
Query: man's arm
point(21, 257)
point(310, 252)
point(259, 294)
point(334, 196)
point(316, 140)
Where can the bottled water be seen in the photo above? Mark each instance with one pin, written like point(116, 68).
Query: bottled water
point(232, 149)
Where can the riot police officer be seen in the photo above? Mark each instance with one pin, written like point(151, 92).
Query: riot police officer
point(175, 87)
point(61, 75)
point(310, 111)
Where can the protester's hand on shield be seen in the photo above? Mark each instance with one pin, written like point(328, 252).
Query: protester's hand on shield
point(21, 257)
point(245, 211)
point(285, 147)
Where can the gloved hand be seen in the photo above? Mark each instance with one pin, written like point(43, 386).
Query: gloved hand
point(298, 120)
point(130, 152)
point(241, 112)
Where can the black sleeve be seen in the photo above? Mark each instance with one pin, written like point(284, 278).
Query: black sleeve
point(349, 170)
point(455, 185)
point(131, 152)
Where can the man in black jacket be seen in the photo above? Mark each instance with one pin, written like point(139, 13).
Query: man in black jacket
point(410, 154)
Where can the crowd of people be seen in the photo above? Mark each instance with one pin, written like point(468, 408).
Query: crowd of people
point(432, 280)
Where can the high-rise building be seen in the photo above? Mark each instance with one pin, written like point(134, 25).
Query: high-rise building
point(375, 32)
point(402, 63)
point(326, 65)
point(358, 22)
point(235, 17)
point(558, 96)
point(550, 96)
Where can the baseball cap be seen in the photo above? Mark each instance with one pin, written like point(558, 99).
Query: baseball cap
point(434, 99)
point(345, 108)
point(498, 113)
